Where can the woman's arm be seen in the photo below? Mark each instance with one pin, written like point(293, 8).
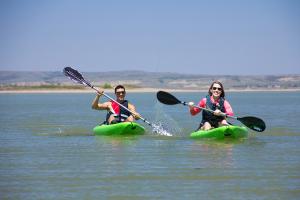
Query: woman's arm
point(194, 110)
point(228, 109)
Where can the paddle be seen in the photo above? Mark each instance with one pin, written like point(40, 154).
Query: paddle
point(75, 76)
point(253, 123)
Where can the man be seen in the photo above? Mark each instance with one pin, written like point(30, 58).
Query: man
point(116, 113)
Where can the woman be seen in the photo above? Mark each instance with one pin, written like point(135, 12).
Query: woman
point(215, 101)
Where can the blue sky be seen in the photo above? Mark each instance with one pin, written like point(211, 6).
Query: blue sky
point(235, 37)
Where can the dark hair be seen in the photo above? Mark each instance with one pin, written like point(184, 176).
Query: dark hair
point(211, 86)
point(118, 87)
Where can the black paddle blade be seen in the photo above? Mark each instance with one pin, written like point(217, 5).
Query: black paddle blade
point(253, 123)
point(75, 76)
point(167, 98)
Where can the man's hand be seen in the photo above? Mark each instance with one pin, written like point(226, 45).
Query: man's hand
point(100, 92)
point(109, 108)
point(136, 115)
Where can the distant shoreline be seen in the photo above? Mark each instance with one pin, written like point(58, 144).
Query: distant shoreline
point(136, 90)
point(141, 81)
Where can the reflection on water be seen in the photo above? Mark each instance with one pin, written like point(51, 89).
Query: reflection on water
point(116, 141)
point(280, 131)
point(220, 152)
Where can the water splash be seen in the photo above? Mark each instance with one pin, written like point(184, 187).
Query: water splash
point(164, 124)
point(159, 130)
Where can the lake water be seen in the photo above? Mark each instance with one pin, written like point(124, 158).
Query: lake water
point(48, 151)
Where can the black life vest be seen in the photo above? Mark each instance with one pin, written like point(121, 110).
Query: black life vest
point(210, 117)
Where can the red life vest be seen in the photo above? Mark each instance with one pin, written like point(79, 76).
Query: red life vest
point(115, 107)
point(120, 113)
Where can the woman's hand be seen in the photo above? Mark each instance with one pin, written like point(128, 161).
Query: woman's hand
point(218, 112)
point(191, 104)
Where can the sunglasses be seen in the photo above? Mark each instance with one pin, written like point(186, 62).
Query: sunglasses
point(120, 92)
point(217, 88)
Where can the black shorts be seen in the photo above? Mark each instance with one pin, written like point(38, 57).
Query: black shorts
point(214, 124)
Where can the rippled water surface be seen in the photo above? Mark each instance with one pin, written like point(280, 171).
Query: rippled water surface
point(48, 151)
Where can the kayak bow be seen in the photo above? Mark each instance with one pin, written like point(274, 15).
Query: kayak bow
point(124, 128)
point(221, 132)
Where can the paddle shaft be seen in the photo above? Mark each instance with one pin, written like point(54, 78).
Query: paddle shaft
point(206, 109)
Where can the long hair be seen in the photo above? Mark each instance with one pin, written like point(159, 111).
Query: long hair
point(211, 86)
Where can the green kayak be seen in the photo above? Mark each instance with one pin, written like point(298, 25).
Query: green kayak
point(221, 133)
point(124, 128)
